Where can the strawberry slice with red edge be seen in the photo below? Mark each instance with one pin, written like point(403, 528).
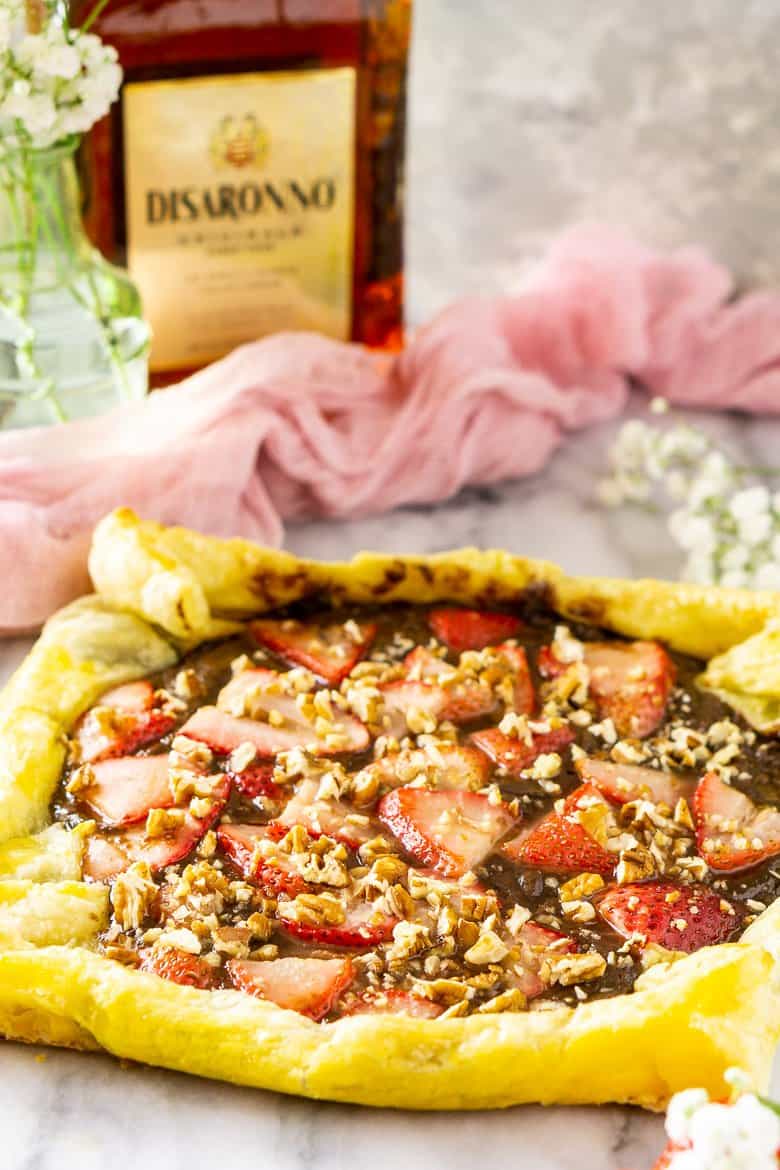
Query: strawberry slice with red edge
point(625, 782)
point(364, 926)
point(732, 832)
point(472, 629)
point(513, 753)
point(432, 685)
point(178, 967)
point(324, 818)
point(548, 664)
point(125, 789)
point(273, 871)
point(560, 843)
point(329, 651)
point(536, 943)
point(256, 780)
point(123, 719)
point(259, 694)
point(630, 682)
point(394, 1002)
point(446, 766)
point(523, 694)
point(452, 832)
point(308, 986)
point(678, 917)
point(110, 853)
point(224, 733)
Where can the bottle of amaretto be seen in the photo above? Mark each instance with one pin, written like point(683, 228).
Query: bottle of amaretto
point(251, 175)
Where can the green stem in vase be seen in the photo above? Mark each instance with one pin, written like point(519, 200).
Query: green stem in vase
point(95, 304)
point(26, 348)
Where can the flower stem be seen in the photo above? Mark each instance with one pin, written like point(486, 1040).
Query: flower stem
point(93, 15)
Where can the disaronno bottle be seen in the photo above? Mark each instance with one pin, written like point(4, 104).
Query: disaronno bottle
point(251, 175)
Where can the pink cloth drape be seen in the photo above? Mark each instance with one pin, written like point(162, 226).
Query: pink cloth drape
point(299, 425)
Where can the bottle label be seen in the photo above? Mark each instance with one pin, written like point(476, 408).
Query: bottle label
point(240, 207)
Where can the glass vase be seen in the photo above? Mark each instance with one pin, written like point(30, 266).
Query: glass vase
point(73, 341)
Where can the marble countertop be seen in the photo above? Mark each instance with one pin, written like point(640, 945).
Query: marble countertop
point(65, 1111)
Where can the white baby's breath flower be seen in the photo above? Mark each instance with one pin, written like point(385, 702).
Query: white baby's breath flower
point(682, 442)
point(752, 501)
point(734, 557)
point(691, 531)
point(731, 532)
point(680, 1111)
point(755, 529)
point(743, 1136)
point(717, 469)
point(53, 84)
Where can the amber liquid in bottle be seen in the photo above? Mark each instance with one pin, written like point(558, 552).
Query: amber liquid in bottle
point(251, 174)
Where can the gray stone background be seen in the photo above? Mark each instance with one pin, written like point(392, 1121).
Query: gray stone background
point(527, 115)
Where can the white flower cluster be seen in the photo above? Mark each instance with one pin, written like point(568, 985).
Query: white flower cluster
point(729, 531)
point(53, 84)
point(742, 1136)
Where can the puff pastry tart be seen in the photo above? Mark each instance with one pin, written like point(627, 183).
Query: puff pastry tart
point(447, 832)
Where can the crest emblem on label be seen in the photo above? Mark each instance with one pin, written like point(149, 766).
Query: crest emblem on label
point(239, 142)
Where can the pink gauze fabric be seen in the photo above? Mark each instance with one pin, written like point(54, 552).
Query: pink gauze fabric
point(297, 425)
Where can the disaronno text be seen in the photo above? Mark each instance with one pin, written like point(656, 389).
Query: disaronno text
point(231, 201)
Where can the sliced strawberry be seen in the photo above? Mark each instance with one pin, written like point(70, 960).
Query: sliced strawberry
point(364, 926)
point(472, 629)
point(126, 789)
point(224, 733)
point(452, 832)
point(431, 685)
point(394, 1002)
point(179, 967)
point(537, 943)
point(630, 682)
point(559, 842)
point(308, 986)
point(731, 831)
point(122, 720)
point(256, 780)
point(274, 871)
point(678, 917)
point(548, 665)
point(524, 696)
point(328, 818)
point(259, 694)
point(108, 854)
point(402, 698)
point(330, 652)
point(130, 697)
point(446, 766)
point(625, 782)
point(514, 754)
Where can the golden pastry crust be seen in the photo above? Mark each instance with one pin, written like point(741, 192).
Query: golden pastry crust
point(161, 592)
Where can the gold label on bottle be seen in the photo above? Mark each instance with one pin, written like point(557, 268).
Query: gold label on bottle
point(240, 207)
